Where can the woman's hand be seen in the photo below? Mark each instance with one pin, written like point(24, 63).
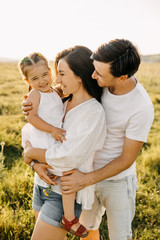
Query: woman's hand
point(41, 170)
point(26, 106)
point(26, 151)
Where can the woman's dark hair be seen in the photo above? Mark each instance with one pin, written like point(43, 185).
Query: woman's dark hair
point(79, 61)
point(121, 54)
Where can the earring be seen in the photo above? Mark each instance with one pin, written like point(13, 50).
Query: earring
point(80, 80)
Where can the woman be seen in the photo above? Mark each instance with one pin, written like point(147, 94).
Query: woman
point(84, 122)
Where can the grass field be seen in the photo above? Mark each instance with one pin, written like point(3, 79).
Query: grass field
point(16, 178)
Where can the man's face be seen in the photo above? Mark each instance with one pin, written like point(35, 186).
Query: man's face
point(102, 75)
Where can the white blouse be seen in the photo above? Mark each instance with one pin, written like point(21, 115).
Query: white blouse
point(85, 133)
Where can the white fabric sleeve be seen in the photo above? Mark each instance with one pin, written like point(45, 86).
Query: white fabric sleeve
point(86, 135)
point(140, 123)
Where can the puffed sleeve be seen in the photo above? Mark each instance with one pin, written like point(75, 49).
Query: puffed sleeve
point(85, 135)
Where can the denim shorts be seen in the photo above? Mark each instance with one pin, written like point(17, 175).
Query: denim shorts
point(50, 207)
point(117, 197)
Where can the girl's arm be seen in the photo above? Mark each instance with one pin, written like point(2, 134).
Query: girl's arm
point(39, 123)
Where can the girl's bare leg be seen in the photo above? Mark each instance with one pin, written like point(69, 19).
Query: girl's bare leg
point(45, 231)
point(68, 207)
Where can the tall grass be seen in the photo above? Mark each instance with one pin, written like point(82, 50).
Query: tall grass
point(16, 178)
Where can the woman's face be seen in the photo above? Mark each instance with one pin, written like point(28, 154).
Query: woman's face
point(70, 83)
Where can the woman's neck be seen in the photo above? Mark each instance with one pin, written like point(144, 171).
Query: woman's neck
point(77, 98)
point(80, 97)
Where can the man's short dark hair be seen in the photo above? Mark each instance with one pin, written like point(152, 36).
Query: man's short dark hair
point(121, 54)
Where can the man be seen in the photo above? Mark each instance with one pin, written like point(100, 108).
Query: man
point(129, 116)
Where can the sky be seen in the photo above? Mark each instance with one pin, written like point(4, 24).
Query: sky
point(49, 26)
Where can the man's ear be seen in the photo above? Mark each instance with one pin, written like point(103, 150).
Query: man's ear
point(123, 77)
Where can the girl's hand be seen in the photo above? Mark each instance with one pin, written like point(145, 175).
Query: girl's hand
point(41, 170)
point(58, 134)
point(26, 151)
point(26, 106)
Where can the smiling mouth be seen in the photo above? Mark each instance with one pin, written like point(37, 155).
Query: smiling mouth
point(44, 86)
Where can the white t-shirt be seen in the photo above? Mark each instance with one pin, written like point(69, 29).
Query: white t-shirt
point(85, 133)
point(129, 115)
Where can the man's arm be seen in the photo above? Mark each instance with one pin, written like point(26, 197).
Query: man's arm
point(74, 180)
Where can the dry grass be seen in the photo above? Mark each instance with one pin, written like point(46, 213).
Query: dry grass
point(16, 215)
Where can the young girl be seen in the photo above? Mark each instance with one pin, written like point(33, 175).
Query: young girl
point(45, 120)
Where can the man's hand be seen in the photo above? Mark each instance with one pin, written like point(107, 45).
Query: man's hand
point(73, 181)
point(41, 170)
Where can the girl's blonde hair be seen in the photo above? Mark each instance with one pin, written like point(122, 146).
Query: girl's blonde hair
point(30, 61)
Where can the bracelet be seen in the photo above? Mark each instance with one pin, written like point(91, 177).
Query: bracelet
point(32, 164)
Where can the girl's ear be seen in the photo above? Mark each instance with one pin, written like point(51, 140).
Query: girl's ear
point(26, 80)
point(50, 71)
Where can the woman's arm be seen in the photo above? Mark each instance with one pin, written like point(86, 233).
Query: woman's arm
point(85, 134)
point(31, 153)
point(83, 139)
point(41, 170)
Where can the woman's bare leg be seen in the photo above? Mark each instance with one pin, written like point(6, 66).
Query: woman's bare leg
point(45, 231)
point(36, 213)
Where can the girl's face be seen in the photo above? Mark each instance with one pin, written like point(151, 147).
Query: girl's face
point(70, 83)
point(39, 77)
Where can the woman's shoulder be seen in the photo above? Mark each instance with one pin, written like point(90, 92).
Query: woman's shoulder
point(91, 113)
point(90, 109)
point(93, 104)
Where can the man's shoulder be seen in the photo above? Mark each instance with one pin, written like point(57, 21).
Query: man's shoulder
point(142, 96)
